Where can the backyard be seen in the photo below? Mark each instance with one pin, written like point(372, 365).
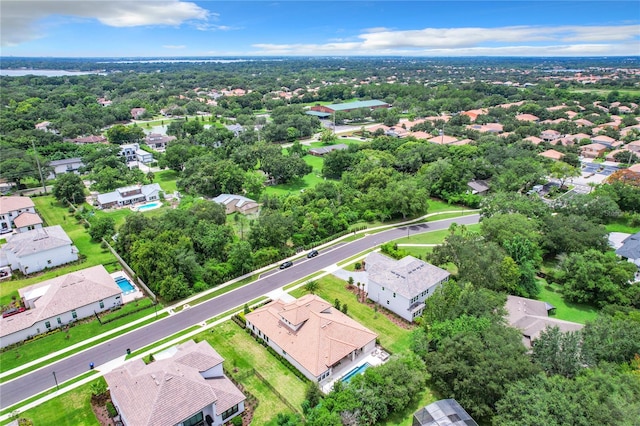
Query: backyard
point(308, 181)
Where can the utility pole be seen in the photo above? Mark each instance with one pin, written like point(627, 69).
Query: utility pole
point(33, 144)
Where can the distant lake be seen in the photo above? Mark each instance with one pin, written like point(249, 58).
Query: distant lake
point(44, 73)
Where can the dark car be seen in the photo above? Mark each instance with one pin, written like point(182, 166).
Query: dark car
point(312, 253)
point(286, 264)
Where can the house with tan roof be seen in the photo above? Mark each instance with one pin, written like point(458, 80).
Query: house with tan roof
point(474, 113)
point(185, 385)
point(402, 286)
point(421, 135)
point(578, 137)
point(593, 150)
point(633, 146)
point(486, 128)
point(443, 139)
point(60, 301)
point(90, 139)
point(311, 334)
point(532, 318)
point(27, 221)
point(37, 249)
point(11, 208)
point(550, 135)
point(237, 203)
point(527, 117)
point(603, 140)
point(534, 140)
point(136, 113)
point(552, 154)
point(583, 122)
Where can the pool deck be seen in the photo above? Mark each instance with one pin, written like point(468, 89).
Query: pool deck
point(377, 357)
point(126, 298)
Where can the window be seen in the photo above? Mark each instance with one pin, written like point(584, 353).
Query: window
point(49, 261)
point(47, 324)
point(387, 302)
point(101, 304)
point(230, 412)
point(394, 295)
point(59, 320)
point(284, 353)
point(196, 420)
point(74, 314)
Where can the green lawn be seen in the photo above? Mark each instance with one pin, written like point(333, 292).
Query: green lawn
point(308, 181)
point(435, 237)
point(69, 409)
point(243, 353)
point(622, 225)
point(35, 349)
point(565, 310)
point(167, 180)
point(392, 337)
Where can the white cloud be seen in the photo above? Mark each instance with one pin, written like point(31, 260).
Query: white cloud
point(19, 18)
point(515, 40)
point(174, 46)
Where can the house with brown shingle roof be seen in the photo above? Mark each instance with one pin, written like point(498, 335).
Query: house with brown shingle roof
point(184, 385)
point(11, 208)
point(552, 154)
point(60, 301)
point(311, 334)
point(593, 150)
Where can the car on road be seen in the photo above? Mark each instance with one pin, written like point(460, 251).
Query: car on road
point(286, 264)
point(312, 253)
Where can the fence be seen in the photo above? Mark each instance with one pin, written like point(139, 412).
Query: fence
point(129, 271)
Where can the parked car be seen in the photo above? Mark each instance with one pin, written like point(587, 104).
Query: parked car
point(312, 253)
point(286, 264)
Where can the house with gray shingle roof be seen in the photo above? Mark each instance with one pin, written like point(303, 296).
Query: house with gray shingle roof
point(237, 203)
point(59, 301)
point(184, 385)
point(129, 195)
point(630, 248)
point(38, 249)
point(402, 285)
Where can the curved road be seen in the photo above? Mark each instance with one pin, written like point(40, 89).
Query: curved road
point(33, 383)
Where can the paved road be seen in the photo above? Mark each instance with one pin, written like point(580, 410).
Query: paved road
point(42, 379)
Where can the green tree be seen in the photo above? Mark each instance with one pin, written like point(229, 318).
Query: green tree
point(69, 187)
point(563, 171)
point(101, 226)
point(312, 287)
point(610, 339)
point(573, 234)
point(557, 352)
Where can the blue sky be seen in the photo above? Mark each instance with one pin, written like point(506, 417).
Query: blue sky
point(113, 28)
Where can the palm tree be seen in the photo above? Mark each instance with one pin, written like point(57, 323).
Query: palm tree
point(312, 286)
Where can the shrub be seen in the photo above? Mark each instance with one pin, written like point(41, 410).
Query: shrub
point(237, 421)
point(111, 409)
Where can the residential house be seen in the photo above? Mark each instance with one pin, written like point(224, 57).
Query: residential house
point(136, 113)
point(534, 140)
point(235, 128)
point(69, 165)
point(532, 318)
point(27, 221)
point(578, 137)
point(421, 135)
point(350, 106)
point(11, 208)
point(527, 117)
point(37, 249)
point(90, 139)
point(550, 135)
point(630, 249)
point(474, 113)
point(104, 102)
point(633, 146)
point(323, 150)
point(583, 122)
point(593, 150)
point(486, 128)
point(397, 132)
point(129, 195)
point(45, 126)
point(185, 385)
point(132, 152)
point(443, 139)
point(611, 156)
point(237, 203)
point(60, 301)
point(478, 187)
point(552, 154)
point(603, 140)
point(157, 141)
point(445, 412)
point(402, 286)
point(311, 334)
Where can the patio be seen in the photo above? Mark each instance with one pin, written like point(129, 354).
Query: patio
point(376, 357)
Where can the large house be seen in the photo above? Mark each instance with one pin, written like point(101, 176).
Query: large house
point(532, 318)
point(350, 106)
point(323, 150)
point(402, 285)
point(132, 152)
point(11, 208)
point(630, 249)
point(311, 334)
point(37, 249)
point(59, 301)
point(237, 203)
point(185, 385)
point(592, 150)
point(157, 141)
point(129, 195)
point(69, 165)
point(27, 221)
point(446, 412)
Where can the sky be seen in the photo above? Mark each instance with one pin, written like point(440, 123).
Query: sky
point(178, 28)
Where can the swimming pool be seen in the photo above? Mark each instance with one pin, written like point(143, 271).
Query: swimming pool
point(358, 370)
point(125, 285)
point(149, 206)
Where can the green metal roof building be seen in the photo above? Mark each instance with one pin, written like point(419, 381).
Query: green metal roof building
point(350, 106)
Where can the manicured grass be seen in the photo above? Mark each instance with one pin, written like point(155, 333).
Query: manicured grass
point(622, 225)
point(308, 181)
point(242, 353)
point(32, 350)
point(392, 337)
point(565, 310)
point(72, 408)
point(435, 237)
point(167, 180)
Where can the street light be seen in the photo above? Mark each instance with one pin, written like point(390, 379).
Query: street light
point(56, 380)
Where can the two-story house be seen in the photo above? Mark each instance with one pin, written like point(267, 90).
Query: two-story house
point(129, 195)
point(132, 152)
point(11, 208)
point(402, 285)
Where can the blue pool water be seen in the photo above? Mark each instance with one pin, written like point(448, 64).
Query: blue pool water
point(125, 285)
point(149, 206)
point(358, 370)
